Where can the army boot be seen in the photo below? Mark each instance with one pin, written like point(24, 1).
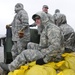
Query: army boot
point(4, 67)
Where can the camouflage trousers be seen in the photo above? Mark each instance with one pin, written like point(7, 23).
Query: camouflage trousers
point(25, 57)
point(18, 47)
point(32, 45)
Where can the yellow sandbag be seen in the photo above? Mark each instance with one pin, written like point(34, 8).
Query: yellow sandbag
point(40, 70)
point(62, 65)
point(68, 54)
point(51, 64)
point(36, 70)
point(59, 64)
point(66, 72)
point(32, 64)
point(50, 70)
point(70, 62)
point(16, 72)
point(20, 71)
point(10, 73)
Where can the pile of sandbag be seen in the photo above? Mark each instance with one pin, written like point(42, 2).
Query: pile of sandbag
point(65, 67)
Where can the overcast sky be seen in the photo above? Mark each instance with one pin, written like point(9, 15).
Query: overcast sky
point(7, 13)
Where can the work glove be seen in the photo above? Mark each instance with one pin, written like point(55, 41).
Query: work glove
point(40, 61)
point(7, 26)
point(21, 34)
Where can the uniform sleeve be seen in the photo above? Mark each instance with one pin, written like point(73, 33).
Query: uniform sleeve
point(23, 18)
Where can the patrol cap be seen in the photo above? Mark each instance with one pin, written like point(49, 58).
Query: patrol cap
point(45, 6)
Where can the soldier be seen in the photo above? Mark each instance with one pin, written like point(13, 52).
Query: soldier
point(56, 15)
point(45, 9)
point(68, 32)
point(20, 30)
point(49, 49)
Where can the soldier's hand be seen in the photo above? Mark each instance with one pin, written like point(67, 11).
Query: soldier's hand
point(21, 34)
point(7, 26)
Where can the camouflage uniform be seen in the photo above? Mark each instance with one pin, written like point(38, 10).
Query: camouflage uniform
point(20, 21)
point(50, 17)
point(45, 9)
point(50, 47)
point(57, 17)
point(68, 32)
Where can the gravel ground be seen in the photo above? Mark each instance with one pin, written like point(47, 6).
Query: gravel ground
point(1, 54)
